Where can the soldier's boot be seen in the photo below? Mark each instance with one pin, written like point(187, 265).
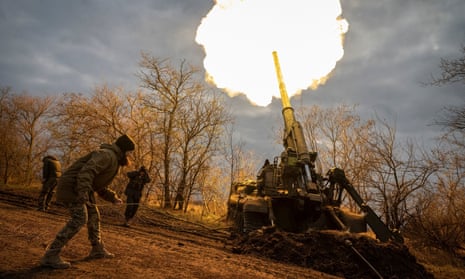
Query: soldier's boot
point(98, 252)
point(52, 259)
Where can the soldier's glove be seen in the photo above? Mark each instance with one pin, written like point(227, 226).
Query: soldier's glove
point(83, 197)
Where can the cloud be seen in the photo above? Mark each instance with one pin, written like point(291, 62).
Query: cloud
point(52, 46)
point(90, 42)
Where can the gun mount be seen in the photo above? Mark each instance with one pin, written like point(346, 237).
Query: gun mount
point(290, 195)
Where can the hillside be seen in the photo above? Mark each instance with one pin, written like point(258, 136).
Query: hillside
point(160, 245)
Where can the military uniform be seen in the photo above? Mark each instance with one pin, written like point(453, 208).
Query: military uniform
point(76, 190)
point(51, 171)
point(133, 192)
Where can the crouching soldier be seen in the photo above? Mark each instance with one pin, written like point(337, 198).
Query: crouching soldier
point(76, 190)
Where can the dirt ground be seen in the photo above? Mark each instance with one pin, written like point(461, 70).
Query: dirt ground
point(155, 246)
point(159, 245)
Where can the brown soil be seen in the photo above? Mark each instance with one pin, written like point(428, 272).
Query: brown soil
point(336, 253)
point(159, 245)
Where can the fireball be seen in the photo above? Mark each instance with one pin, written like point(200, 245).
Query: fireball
point(238, 38)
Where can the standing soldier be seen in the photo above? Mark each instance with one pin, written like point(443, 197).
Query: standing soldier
point(76, 189)
point(261, 177)
point(51, 171)
point(137, 180)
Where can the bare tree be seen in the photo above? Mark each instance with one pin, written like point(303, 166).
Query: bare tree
point(213, 192)
point(143, 128)
point(453, 70)
point(68, 128)
point(189, 121)
point(25, 140)
point(201, 126)
point(10, 140)
point(398, 173)
point(81, 123)
point(170, 89)
point(340, 137)
point(453, 118)
point(30, 111)
point(109, 111)
point(388, 175)
point(438, 219)
point(240, 164)
point(439, 216)
point(141, 123)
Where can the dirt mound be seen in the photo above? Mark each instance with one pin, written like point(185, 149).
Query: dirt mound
point(334, 253)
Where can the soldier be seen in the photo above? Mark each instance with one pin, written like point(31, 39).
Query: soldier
point(51, 171)
point(137, 180)
point(261, 179)
point(76, 190)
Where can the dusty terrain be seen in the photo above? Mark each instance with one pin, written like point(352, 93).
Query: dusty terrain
point(159, 245)
point(156, 246)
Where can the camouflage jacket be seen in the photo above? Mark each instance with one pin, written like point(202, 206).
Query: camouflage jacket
point(91, 173)
point(52, 167)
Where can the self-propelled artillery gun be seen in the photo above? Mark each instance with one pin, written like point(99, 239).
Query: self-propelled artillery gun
point(290, 195)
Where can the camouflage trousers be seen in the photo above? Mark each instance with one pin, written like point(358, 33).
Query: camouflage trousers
point(81, 214)
point(47, 192)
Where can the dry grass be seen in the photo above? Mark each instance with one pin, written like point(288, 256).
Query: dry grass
point(442, 264)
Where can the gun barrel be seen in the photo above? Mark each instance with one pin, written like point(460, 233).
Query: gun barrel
point(293, 134)
point(282, 87)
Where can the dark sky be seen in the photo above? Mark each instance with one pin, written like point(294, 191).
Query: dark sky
point(49, 47)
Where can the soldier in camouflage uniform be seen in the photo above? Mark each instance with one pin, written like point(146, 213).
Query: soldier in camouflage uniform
point(51, 171)
point(76, 189)
point(133, 192)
